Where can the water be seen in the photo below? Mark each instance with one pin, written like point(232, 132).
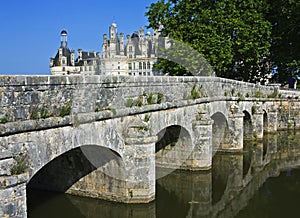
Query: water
point(261, 181)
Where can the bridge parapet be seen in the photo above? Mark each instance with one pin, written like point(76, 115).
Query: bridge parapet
point(36, 97)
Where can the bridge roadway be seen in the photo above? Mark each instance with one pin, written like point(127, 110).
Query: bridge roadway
point(102, 137)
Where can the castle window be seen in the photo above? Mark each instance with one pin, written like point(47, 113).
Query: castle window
point(148, 65)
point(140, 65)
point(129, 66)
point(144, 65)
point(130, 48)
point(130, 56)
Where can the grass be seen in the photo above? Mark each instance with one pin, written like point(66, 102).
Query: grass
point(159, 98)
point(65, 110)
point(147, 118)
point(20, 166)
point(151, 99)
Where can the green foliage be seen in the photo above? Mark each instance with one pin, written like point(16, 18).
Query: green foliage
point(232, 92)
point(97, 109)
point(159, 98)
point(3, 119)
point(258, 94)
point(285, 50)
point(112, 110)
point(34, 114)
point(253, 109)
point(65, 110)
point(195, 92)
point(273, 95)
point(240, 97)
point(20, 166)
point(147, 118)
point(151, 99)
point(140, 101)
point(40, 112)
point(233, 36)
point(129, 102)
point(45, 113)
point(255, 135)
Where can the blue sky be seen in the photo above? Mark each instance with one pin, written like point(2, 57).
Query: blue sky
point(30, 29)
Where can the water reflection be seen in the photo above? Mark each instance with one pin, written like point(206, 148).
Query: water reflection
point(239, 185)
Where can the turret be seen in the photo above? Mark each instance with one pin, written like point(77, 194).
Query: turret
point(63, 39)
point(113, 32)
point(79, 54)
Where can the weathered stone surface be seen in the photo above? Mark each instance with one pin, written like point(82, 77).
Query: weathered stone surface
point(13, 196)
point(47, 118)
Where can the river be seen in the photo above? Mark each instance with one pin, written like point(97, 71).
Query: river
point(261, 181)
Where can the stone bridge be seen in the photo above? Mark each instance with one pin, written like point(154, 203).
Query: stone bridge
point(103, 137)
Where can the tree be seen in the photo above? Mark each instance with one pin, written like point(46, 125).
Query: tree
point(284, 16)
point(232, 35)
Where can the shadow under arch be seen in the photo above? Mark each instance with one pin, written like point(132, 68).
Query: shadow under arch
point(265, 121)
point(220, 132)
point(68, 171)
point(173, 148)
point(247, 125)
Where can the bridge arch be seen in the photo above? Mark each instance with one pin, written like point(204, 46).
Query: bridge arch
point(220, 131)
point(247, 125)
point(173, 147)
point(88, 170)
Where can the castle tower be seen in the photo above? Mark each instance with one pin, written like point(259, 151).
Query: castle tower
point(113, 40)
point(113, 32)
point(64, 39)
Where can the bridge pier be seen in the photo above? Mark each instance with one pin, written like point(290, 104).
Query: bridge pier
point(258, 123)
point(236, 131)
point(139, 158)
point(272, 120)
point(201, 156)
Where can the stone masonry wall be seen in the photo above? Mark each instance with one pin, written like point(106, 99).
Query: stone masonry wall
point(33, 97)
